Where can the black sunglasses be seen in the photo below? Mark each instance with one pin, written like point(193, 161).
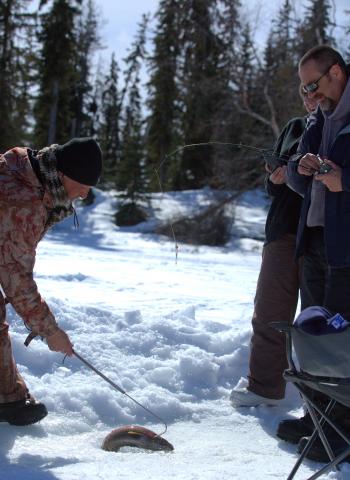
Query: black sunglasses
point(312, 87)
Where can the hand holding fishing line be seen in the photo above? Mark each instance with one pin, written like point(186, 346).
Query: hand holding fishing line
point(309, 164)
point(279, 176)
point(332, 178)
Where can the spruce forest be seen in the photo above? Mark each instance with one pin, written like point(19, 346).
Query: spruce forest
point(207, 81)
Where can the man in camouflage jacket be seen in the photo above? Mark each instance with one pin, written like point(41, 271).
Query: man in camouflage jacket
point(36, 191)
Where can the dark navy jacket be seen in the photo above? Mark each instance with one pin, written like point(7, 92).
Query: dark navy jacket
point(284, 212)
point(337, 204)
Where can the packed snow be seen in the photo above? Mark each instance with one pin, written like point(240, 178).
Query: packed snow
point(173, 334)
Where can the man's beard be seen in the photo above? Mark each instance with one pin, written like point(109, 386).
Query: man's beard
point(327, 105)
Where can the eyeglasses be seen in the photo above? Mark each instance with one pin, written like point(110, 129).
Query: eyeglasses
point(312, 87)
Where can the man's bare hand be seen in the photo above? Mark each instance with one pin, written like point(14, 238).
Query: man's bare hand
point(308, 164)
point(279, 176)
point(332, 179)
point(59, 342)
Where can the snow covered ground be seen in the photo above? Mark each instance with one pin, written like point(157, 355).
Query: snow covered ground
point(175, 336)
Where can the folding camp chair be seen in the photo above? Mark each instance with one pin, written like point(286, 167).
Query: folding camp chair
point(321, 343)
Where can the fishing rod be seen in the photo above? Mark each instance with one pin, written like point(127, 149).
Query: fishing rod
point(271, 157)
point(121, 390)
point(267, 153)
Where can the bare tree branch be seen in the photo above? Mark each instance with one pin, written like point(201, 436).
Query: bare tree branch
point(273, 122)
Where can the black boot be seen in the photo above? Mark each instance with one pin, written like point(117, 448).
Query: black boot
point(292, 430)
point(317, 452)
point(23, 412)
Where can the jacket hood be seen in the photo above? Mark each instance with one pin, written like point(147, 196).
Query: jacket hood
point(342, 109)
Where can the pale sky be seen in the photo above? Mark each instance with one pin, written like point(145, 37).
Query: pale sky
point(120, 18)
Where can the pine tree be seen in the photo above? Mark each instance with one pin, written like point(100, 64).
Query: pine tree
point(226, 124)
point(83, 106)
point(274, 97)
point(227, 27)
point(163, 133)
point(57, 72)
point(16, 58)
point(315, 27)
point(246, 69)
point(109, 130)
point(200, 95)
point(280, 70)
point(130, 170)
point(238, 167)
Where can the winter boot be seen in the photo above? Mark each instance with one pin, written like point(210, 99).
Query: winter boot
point(242, 397)
point(23, 412)
point(292, 430)
point(317, 452)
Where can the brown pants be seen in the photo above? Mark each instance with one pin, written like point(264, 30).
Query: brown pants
point(12, 385)
point(275, 301)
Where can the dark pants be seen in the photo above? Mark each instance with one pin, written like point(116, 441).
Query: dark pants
point(326, 286)
point(275, 301)
point(12, 385)
point(323, 285)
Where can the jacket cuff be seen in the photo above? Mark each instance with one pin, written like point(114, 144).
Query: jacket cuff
point(293, 161)
point(273, 189)
point(49, 330)
point(45, 327)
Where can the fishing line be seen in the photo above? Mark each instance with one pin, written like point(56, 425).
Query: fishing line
point(267, 152)
point(223, 144)
point(171, 223)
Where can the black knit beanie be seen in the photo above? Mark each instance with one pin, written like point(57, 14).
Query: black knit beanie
point(81, 160)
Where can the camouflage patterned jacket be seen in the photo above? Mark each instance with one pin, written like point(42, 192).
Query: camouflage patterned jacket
point(24, 207)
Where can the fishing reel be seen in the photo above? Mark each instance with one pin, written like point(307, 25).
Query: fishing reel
point(324, 167)
point(274, 160)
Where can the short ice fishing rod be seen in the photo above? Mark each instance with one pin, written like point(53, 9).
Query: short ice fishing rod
point(119, 389)
point(273, 158)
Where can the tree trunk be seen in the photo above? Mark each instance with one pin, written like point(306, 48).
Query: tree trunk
point(53, 113)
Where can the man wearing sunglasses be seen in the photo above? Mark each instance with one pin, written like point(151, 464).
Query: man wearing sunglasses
point(320, 172)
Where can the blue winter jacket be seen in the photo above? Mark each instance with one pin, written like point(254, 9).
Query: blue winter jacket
point(337, 205)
